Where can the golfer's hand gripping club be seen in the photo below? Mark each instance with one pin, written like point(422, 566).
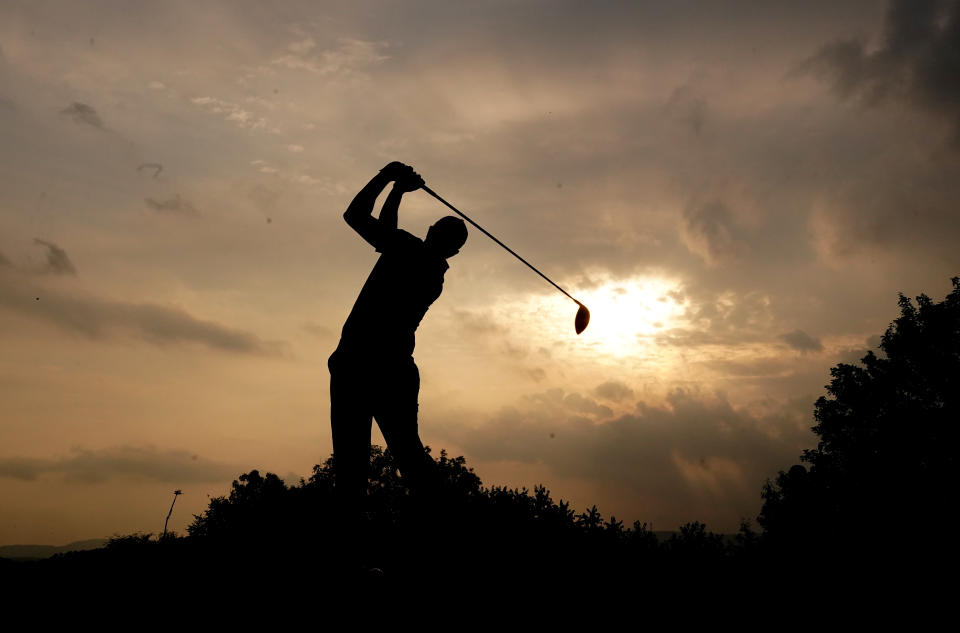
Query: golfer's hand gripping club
point(403, 176)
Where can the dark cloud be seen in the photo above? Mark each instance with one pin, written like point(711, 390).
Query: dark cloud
point(537, 373)
point(581, 404)
point(711, 233)
point(156, 168)
point(516, 352)
point(557, 400)
point(801, 341)
point(57, 261)
point(918, 61)
point(753, 368)
point(613, 390)
point(101, 318)
point(689, 109)
point(693, 456)
point(719, 318)
point(687, 337)
point(82, 114)
point(96, 466)
point(175, 205)
point(853, 355)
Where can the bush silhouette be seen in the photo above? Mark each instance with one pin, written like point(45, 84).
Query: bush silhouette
point(508, 534)
point(886, 452)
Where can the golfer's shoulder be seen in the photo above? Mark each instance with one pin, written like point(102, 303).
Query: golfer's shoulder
point(409, 239)
point(399, 240)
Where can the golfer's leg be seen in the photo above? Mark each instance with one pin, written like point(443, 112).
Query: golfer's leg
point(418, 470)
point(398, 423)
point(350, 422)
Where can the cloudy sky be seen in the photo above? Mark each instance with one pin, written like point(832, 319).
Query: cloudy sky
point(738, 191)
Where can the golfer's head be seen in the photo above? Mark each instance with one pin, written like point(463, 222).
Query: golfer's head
point(447, 235)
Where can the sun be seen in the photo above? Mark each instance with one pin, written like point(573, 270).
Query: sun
point(626, 313)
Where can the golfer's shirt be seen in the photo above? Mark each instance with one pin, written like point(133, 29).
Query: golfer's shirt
point(406, 280)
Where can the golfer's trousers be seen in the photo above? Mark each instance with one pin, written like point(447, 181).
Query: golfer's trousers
point(362, 389)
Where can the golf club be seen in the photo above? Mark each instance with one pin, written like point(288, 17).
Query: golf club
point(583, 315)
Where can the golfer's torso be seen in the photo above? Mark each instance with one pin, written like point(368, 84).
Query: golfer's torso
point(403, 284)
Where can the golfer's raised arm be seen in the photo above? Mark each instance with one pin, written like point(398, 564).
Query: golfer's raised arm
point(359, 215)
point(405, 181)
point(388, 212)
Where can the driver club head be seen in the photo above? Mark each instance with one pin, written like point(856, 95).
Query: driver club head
point(582, 319)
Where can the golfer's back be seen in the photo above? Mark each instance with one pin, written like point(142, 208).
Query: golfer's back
point(403, 284)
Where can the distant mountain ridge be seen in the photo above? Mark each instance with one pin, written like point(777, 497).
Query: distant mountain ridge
point(34, 552)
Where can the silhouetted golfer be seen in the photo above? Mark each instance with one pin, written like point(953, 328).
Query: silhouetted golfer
point(372, 373)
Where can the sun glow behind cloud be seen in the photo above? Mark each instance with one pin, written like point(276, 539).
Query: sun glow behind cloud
point(625, 314)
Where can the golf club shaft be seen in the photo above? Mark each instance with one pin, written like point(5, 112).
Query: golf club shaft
point(507, 248)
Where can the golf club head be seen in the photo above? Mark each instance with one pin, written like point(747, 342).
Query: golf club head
point(582, 319)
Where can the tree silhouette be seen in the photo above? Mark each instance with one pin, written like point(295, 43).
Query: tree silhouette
point(494, 534)
point(268, 539)
point(887, 439)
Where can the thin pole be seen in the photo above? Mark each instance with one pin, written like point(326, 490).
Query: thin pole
point(507, 248)
point(176, 493)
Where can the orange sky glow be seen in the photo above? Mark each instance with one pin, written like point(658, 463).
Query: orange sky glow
point(718, 189)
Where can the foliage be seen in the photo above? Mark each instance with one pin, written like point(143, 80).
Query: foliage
point(488, 529)
point(694, 542)
point(887, 434)
point(127, 541)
